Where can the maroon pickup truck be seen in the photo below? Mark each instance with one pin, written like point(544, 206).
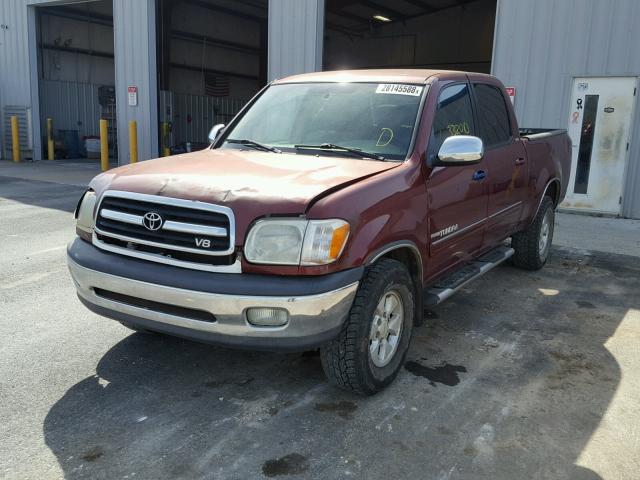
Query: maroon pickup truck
point(327, 214)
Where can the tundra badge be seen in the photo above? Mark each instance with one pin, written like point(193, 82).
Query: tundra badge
point(444, 232)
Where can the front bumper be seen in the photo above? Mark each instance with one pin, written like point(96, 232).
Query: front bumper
point(165, 296)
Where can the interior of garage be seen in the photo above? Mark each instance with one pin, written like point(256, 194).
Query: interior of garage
point(76, 77)
point(438, 34)
point(212, 58)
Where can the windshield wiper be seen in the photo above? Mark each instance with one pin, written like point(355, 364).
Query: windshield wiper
point(339, 148)
point(254, 144)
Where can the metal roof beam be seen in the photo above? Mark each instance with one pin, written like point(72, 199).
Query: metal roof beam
point(395, 14)
point(350, 16)
point(214, 71)
point(197, 38)
point(423, 5)
point(225, 10)
point(75, 14)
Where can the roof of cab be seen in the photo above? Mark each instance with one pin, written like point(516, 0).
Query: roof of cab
point(378, 75)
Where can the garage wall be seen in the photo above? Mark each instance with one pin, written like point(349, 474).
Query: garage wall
point(135, 64)
point(457, 38)
point(15, 73)
point(72, 105)
point(540, 46)
point(198, 21)
point(92, 37)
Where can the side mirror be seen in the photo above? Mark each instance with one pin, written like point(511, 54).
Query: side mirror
point(460, 150)
point(215, 131)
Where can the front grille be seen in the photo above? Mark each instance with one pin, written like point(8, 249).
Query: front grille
point(222, 260)
point(173, 228)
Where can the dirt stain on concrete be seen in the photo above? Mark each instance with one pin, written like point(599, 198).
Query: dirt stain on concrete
point(242, 382)
point(584, 304)
point(445, 374)
point(292, 464)
point(93, 454)
point(343, 408)
point(569, 367)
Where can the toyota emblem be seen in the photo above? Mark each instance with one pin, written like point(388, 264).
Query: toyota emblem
point(152, 221)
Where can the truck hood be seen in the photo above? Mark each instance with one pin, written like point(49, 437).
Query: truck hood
point(252, 183)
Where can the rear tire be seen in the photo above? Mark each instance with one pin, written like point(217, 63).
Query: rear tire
point(532, 245)
point(372, 345)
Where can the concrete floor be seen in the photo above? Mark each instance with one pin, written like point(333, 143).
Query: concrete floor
point(69, 172)
point(584, 232)
point(520, 375)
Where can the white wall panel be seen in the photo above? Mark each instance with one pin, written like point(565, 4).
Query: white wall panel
point(134, 25)
point(296, 28)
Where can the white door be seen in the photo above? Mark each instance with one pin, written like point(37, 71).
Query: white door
point(600, 127)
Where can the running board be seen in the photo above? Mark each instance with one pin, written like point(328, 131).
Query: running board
point(449, 285)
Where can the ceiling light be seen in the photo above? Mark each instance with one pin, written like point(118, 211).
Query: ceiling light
point(381, 18)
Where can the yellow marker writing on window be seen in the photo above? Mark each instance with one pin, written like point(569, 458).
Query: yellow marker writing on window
point(386, 135)
point(458, 128)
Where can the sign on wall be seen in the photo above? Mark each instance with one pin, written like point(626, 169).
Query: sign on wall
point(132, 95)
point(511, 91)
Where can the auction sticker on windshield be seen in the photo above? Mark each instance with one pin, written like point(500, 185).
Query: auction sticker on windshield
point(399, 89)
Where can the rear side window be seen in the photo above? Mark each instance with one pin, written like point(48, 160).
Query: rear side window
point(454, 116)
point(493, 118)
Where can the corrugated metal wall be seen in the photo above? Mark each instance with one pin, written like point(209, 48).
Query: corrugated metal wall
point(73, 106)
point(14, 61)
point(541, 46)
point(296, 30)
point(192, 116)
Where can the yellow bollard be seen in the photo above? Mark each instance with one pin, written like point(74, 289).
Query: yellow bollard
point(50, 146)
point(133, 141)
point(104, 145)
point(166, 149)
point(15, 138)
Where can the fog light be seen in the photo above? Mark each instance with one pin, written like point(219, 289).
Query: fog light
point(267, 316)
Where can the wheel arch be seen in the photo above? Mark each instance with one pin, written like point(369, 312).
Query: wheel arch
point(552, 189)
point(407, 253)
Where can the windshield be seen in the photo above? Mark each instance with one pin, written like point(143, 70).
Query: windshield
point(375, 118)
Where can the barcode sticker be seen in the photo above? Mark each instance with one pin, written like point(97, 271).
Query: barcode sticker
point(399, 89)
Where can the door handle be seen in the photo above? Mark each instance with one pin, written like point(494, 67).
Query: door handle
point(479, 175)
point(520, 160)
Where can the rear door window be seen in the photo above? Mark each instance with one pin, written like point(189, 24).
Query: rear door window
point(453, 116)
point(494, 127)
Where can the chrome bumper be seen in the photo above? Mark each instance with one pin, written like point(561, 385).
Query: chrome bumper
point(313, 319)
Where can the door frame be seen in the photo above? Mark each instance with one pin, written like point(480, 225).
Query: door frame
point(569, 104)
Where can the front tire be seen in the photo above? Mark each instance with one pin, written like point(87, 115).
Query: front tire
point(533, 244)
point(372, 345)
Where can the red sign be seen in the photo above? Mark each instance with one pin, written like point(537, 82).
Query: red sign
point(511, 91)
point(132, 94)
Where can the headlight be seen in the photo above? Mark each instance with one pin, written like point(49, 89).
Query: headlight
point(286, 241)
point(84, 215)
